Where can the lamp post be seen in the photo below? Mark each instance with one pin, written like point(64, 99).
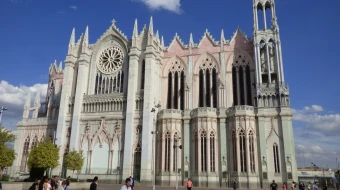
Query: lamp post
point(155, 132)
point(2, 110)
point(175, 148)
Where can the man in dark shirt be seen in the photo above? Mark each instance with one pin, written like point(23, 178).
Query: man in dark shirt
point(35, 185)
point(94, 184)
point(54, 183)
point(273, 186)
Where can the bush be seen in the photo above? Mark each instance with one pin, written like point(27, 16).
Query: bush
point(73, 180)
point(5, 178)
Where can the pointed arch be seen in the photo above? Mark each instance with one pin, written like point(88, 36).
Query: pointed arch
point(204, 59)
point(171, 62)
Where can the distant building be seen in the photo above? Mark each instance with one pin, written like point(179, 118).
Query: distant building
point(226, 102)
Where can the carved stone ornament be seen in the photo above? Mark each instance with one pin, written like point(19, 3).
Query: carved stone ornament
point(110, 60)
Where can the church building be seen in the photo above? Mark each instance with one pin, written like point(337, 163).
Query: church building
point(210, 110)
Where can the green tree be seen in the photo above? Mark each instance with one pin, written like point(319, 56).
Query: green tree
point(43, 155)
point(74, 160)
point(7, 155)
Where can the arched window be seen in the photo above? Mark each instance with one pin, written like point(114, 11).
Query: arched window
point(251, 152)
point(34, 141)
point(260, 17)
point(234, 149)
point(276, 158)
point(203, 151)
point(207, 83)
point(143, 75)
point(176, 81)
point(242, 141)
point(212, 152)
point(269, 18)
point(241, 79)
point(25, 154)
point(167, 152)
point(109, 84)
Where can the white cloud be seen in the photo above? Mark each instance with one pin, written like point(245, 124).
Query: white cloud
point(14, 97)
point(73, 7)
point(313, 108)
point(170, 5)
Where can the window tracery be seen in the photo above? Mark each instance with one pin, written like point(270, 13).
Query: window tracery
point(251, 152)
point(234, 148)
point(176, 88)
point(110, 60)
point(242, 140)
point(276, 158)
point(207, 83)
point(25, 154)
point(241, 79)
point(203, 152)
point(212, 152)
point(167, 152)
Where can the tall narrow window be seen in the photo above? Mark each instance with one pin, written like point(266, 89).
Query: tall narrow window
point(169, 90)
point(207, 84)
point(276, 158)
point(243, 160)
point(268, 18)
point(251, 152)
point(176, 91)
point(34, 141)
point(234, 149)
point(212, 152)
point(25, 154)
point(121, 82)
point(241, 85)
point(214, 88)
point(196, 151)
point(201, 89)
point(203, 151)
point(175, 152)
point(234, 75)
point(167, 152)
point(248, 81)
point(182, 90)
point(143, 75)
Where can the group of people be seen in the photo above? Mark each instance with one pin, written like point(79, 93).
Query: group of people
point(310, 186)
point(54, 183)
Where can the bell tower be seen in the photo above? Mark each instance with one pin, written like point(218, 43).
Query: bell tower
point(276, 144)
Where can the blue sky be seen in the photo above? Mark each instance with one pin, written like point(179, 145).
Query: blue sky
point(34, 33)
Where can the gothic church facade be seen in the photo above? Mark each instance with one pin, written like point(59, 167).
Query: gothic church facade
point(225, 102)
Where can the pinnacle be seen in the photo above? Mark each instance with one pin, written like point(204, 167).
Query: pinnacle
point(151, 25)
point(135, 29)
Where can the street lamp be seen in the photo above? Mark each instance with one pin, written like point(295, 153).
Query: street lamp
point(175, 148)
point(2, 110)
point(155, 132)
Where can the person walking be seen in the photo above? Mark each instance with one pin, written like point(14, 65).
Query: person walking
point(315, 186)
point(47, 184)
point(94, 183)
point(62, 186)
point(127, 185)
point(309, 186)
point(234, 184)
point(35, 185)
point(131, 182)
point(284, 186)
point(189, 184)
point(273, 186)
point(54, 183)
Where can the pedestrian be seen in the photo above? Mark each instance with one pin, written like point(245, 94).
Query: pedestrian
point(54, 183)
point(273, 186)
point(127, 185)
point(189, 184)
point(67, 186)
point(47, 184)
point(284, 186)
point(42, 182)
point(324, 187)
point(315, 186)
point(35, 185)
point(0, 185)
point(309, 186)
point(293, 186)
point(62, 186)
point(131, 182)
point(234, 184)
point(94, 183)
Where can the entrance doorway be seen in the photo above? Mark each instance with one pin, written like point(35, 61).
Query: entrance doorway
point(137, 163)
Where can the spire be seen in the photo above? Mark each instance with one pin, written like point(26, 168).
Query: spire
point(28, 100)
point(157, 36)
point(191, 41)
point(151, 26)
point(61, 66)
point(86, 36)
point(37, 99)
point(73, 38)
point(162, 42)
point(135, 29)
point(222, 37)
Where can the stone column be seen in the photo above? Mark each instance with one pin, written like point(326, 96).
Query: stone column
point(190, 80)
point(256, 64)
point(280, 55)
point(199, 151)
point(171, 157)
point(207, 145)
point(186, 143)
point(238, 152)
point(89, 162)
point(130, 111)
point(63, 109)
point(223, 143)
point(163, 149)
point(268, 64)
point(81, 88)
point(259, 67)
point(264, 17)
point(247, 154)
point(278, 69)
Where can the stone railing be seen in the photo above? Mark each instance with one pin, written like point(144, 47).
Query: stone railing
point(38, 121)
point(169, 113)
point(104, 102)
point(204, 112)
point(242, 109)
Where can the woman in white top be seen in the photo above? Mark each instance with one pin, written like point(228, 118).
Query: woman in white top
point(47, 184)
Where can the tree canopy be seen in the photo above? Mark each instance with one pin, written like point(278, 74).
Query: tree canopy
point(43, 155)
point(7, 156)
point(74, 160)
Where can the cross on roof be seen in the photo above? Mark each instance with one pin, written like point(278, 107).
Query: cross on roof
point(113, 21)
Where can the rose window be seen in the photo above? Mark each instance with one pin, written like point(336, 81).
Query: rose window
point(110, 60)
